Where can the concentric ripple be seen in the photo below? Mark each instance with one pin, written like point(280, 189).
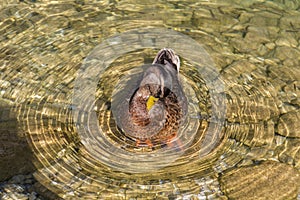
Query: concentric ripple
point(92, 135)
point(80, 149)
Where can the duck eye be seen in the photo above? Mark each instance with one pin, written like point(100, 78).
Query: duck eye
point(150, 102)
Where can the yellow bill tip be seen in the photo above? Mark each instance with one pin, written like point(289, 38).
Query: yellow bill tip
point(150, 102)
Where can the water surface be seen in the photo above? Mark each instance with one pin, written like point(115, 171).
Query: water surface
point(62, 62)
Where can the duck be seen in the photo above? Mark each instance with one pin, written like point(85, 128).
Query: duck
point(158, 105)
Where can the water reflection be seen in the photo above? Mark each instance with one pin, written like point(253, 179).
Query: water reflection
point(61, 63)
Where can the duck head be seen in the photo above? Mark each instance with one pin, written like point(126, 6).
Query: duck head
point(167, 57)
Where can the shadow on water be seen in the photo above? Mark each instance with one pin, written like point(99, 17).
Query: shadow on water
point(16, 156)
point(17, 159)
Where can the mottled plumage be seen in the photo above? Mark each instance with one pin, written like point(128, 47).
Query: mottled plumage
point(158, 106)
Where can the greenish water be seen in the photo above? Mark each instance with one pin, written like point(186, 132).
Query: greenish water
point(63, 62)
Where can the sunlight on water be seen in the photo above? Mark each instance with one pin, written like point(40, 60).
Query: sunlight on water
point(68, 69)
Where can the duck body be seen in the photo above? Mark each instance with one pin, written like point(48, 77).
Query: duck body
point(158, 105)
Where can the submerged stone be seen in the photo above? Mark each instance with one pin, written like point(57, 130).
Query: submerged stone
point(268, 180)
point(289, 125)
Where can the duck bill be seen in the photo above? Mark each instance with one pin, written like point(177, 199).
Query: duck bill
point(150, 102)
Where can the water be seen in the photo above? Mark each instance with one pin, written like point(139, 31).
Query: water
point(63, 62)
